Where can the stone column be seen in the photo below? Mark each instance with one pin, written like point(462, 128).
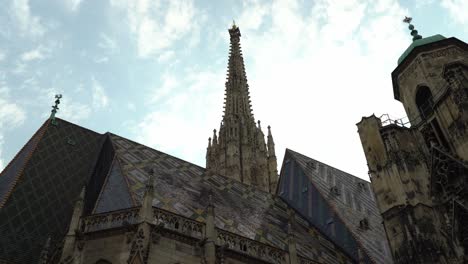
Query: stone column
point(69, 245)
point(210, 234)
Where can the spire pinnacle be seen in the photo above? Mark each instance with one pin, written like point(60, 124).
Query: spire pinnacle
point(215, 138)
point(237, 97)
point(414, 32)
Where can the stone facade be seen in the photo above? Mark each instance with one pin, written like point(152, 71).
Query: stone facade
point(240, 151)
point(419, 169)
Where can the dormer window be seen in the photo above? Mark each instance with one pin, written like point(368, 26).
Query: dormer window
point(424, 101)
point(364, 224)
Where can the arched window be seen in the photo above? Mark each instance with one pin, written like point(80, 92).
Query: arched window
point(424, 101)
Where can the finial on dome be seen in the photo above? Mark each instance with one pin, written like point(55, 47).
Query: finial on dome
point(55, 108)
point(233, 24)
point(414, 32)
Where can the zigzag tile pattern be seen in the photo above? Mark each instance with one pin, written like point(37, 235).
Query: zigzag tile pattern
point(183, 188)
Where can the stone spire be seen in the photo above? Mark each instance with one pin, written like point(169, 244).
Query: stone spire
point(240, 151)
point(272, 163)
point(237, 101)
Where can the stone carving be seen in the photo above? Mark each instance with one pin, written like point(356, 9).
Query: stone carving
point(138, 249)
point(109, 220)
point(178, 223)
point(250, 247)
point(452, 51)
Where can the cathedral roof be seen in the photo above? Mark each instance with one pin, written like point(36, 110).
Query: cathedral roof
point(38, 187)
point(62, 158)
point(184, 188)
point(354, 203)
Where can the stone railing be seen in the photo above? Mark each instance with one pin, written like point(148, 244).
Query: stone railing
point(250, 247)
point(109, 220)
point(192, 228)
point(178, 223)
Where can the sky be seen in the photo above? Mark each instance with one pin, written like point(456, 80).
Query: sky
point(153, 71)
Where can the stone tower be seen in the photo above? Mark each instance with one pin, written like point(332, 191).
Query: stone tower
point(418, 169)
point(240, 151)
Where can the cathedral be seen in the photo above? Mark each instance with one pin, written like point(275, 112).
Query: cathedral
point(419, 166)
point(74, 196)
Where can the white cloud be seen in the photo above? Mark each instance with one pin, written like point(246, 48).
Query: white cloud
point(254, 14)
point(35, 54)
point(73, 5)
point(2, 55)
point(184, 116)
point(100, 99)
point(457, 10)
point(11, 115)
point(107, 43)
point(101, 59)
point(157, 24)
point(166, 56)
point(28, 23)
point(73, 111)
point(169, 82)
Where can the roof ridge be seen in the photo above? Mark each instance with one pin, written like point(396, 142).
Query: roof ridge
point(156, 150)
point(40, 133)
point(73, 124)
point(298, 153)
point(190, 163)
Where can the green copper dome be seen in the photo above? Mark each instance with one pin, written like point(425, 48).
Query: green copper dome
point(419, 42)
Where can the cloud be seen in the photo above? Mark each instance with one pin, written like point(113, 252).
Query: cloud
point(107, 43)
point(158, 24)
point(166, 56)
point(11, 115)
point(457, 10)
point(169, 82)
point(73, 5)
point(35, 54)
point(73, 111)
point(100, 99)
point(28, 23)
point(2, 55)
point(101, 59)
point(184, 116)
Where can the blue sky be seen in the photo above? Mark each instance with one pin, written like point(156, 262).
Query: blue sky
point(154, 71)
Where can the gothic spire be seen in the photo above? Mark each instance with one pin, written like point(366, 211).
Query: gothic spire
point(237, 101)
point(270, 144)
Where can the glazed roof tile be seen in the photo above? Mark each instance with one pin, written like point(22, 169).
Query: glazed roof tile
point(362, 204)
point(184, 188)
